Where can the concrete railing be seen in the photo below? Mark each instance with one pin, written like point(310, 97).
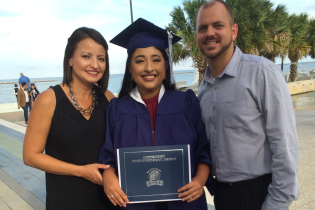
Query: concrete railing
point(181, 84)
point(301, 86)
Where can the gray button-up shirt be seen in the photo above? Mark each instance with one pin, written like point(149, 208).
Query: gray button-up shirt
point(250, 122)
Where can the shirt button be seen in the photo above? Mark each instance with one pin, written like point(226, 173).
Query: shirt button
point(215, 88)
point(215, 127)
point(215, 147)
point(214, 108)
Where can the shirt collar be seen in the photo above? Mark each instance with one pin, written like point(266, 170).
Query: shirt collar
point(137, 97)
point(231, 68)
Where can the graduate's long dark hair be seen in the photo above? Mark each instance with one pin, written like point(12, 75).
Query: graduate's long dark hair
point(127, 85)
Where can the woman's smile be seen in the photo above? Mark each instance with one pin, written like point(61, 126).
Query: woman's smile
point(148, 77)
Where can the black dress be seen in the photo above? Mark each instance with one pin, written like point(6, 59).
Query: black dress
point(74, 139)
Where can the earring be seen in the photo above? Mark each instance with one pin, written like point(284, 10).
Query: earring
point(131, 79)
point(165, 77)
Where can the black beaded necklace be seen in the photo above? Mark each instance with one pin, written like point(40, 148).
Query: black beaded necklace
point(88, 111)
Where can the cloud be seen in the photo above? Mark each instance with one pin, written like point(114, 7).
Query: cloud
point(34, 33)
point(6, 13)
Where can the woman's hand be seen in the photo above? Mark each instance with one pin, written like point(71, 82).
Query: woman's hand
point(195, 188)
point(112, 188)
point(91, 173)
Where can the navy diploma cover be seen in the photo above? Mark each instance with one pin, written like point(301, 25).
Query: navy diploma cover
point(150, 174)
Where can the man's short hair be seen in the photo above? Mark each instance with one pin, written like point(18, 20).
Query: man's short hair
point(23, 83)
point(211, 3)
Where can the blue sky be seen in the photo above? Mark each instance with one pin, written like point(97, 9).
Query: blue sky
point(33, 33)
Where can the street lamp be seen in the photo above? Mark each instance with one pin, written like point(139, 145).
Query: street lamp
point(131, 11)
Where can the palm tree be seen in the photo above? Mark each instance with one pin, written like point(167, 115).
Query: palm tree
point(278, 33)
point(311, 38)
point(184, 25)
point(298, 48)
point(259, 24)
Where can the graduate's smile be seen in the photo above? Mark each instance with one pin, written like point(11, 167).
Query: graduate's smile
point(149, 77)
point(148, 69)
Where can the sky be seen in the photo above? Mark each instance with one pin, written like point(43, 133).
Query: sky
point(34, 33)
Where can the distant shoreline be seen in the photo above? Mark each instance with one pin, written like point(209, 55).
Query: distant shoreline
point(5, 83)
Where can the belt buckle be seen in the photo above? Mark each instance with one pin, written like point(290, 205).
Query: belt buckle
point(231, 184)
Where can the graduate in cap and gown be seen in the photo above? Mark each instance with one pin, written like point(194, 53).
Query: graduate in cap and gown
point(149, 111)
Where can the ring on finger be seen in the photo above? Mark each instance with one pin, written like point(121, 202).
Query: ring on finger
point(190, 198)
point(112, 196)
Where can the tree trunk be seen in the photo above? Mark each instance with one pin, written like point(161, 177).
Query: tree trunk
point(293, 70)
point(282, 64)
point(201, 66)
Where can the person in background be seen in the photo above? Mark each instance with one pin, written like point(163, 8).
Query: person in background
point(67, 127)
point(249, 118)
point(24, 79)
point(34, 92)
point(16, 88)
point(151, 112)
point(24, 100)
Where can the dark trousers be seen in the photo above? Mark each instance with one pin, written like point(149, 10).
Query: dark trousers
point(244, 195)
point(25, 109)
point(161, 206)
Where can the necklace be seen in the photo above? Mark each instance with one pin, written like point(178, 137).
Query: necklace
point(88, 111)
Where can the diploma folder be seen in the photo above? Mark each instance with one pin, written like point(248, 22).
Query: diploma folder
point(155, 173)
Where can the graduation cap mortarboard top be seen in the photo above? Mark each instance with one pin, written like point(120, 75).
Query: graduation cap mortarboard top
point(143, 34)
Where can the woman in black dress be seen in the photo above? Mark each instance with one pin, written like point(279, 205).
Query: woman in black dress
point(68, 122)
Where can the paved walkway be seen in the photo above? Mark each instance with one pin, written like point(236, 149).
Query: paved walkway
point(23, 187)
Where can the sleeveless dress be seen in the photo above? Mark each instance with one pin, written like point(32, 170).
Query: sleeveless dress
point(74, 139)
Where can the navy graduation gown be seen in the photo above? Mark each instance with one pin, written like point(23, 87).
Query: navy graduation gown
point(178, 121)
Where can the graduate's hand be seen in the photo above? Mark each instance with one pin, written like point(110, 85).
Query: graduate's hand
point(91, 172)
point(112, 188)
point(193, 190)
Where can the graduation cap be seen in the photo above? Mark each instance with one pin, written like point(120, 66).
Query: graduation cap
point(143, 34)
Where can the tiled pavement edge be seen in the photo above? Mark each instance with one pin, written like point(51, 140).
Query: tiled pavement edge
point(15, 196)
point(23, 187)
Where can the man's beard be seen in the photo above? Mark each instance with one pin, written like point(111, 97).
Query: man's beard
point(223, 49)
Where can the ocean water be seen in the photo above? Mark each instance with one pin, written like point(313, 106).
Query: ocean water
point(7, 90)
point(304, 65)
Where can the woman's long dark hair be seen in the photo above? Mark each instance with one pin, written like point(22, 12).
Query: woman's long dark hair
point(127, 85)
point(77, 36)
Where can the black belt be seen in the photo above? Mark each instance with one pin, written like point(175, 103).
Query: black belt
point(231, 184)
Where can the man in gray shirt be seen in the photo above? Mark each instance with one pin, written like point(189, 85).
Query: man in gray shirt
point(249, 119)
